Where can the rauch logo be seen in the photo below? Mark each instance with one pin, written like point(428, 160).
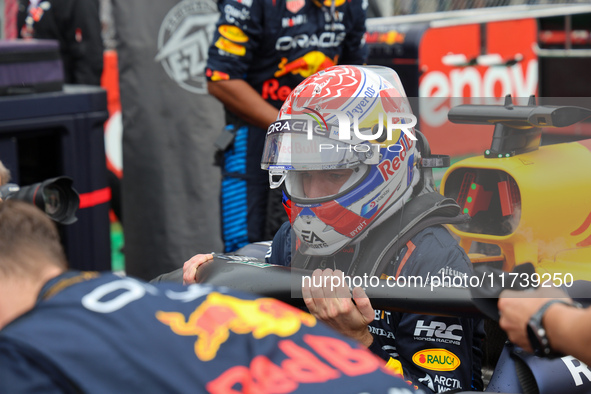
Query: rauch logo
point(436, 360)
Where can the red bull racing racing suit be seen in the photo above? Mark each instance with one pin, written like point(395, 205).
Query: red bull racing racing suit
point(434, 352)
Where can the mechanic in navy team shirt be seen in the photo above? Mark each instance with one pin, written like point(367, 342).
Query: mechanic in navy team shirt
point(85, 332)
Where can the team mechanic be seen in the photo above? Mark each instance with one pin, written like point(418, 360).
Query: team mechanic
point(261, 50)
point(360, 214)
point(84, 332)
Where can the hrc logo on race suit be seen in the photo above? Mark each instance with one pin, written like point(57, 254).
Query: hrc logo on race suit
point(219, 314)
point(437, 331)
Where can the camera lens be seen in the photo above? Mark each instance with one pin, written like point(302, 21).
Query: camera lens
point(56, 197)
point(53, 197)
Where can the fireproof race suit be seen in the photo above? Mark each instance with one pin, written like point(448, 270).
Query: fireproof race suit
point(273, 45)
point(441, 353)
point(97, 333)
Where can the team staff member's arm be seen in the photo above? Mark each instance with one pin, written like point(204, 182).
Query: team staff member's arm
point(279, 254)
point(230, 54)
point(567, 327)
point(242, 100)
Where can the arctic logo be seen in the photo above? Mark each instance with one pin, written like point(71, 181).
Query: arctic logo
point(311, 237)
point(427, 381)
point(183, 40)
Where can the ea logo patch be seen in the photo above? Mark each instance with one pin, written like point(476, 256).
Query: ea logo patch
point(436, 360)
point(183, 40)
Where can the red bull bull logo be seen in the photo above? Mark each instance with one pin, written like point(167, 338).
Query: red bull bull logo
point(219, 314)
point(306, 65)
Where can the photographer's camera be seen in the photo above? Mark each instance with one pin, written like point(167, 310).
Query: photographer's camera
point(55, 196)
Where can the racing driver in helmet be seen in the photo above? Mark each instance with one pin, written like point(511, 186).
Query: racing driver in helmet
point(361, 201)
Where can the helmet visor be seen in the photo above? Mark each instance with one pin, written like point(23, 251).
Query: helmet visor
point(321, 185)
point(296, 151)
point(289, 147)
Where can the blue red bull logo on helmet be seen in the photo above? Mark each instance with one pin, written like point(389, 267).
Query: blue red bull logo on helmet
point(389, 167)
point(369, 209)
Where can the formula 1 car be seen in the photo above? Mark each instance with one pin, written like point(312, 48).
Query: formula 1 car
point(533, 203)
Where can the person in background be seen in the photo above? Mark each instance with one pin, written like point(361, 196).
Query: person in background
point(67, 331)
point(76, 25)
point(261, 50)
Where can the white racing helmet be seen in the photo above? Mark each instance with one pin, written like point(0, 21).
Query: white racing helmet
point(344, 148)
